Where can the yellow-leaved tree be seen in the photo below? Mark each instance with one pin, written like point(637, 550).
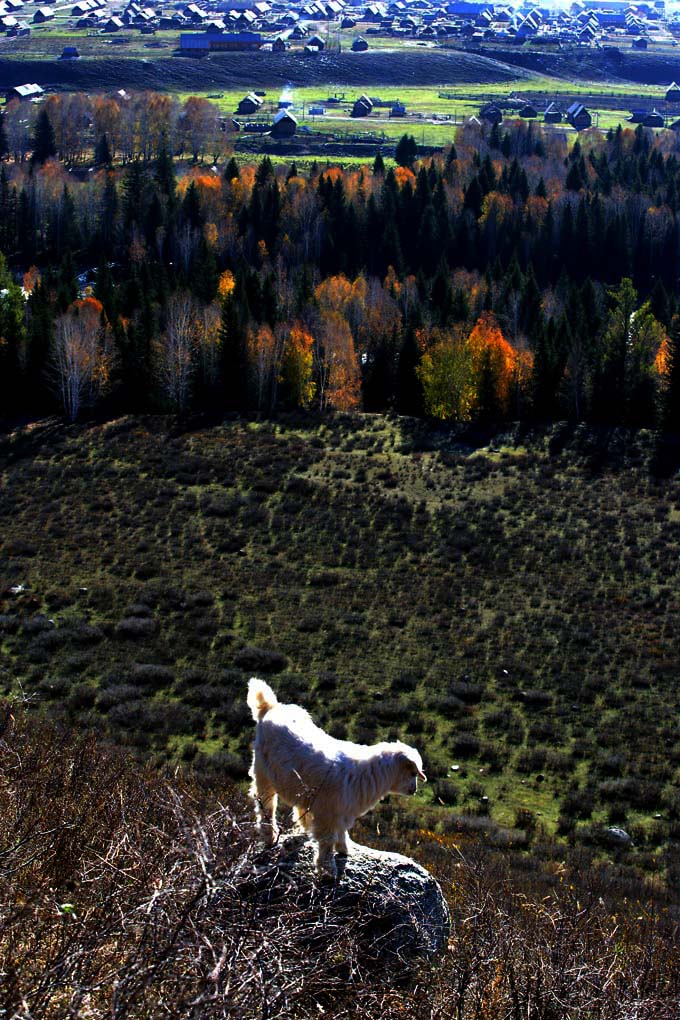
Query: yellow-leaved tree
point(446, 373)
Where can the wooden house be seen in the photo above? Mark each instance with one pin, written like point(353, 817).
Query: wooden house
point(24, 93)
point(284, 124)
point(249, 104)
point(362, 107)
point(673, 93)
point(552, 114)
point(578, 116)
point(491, 113)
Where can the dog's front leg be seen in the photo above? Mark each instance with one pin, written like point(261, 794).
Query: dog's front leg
point(343, 843)
point(325, 858)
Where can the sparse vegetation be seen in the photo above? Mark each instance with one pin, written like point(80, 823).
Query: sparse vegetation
point(507, 605)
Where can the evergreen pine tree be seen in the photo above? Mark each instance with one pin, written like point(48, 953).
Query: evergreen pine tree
point(232, 171)
point(164, 170)
point(44, 145)
point(191, 207)
point(474, 197)
point(408, 389)
point(4, 146)
point(378, 165)
point(406, 151)
point(68, 237)
point(134, 193)
point(264, 171)
point(574, 181)
point(102, 152)
point(234, 357)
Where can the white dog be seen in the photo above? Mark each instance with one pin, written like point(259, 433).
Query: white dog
point(328, 782)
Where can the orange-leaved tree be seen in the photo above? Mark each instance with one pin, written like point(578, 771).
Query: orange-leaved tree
point(263, 356)
point(297, 366)
point(338, 380)
point(495, 366)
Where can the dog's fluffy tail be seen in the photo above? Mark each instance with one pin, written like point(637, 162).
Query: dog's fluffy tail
point(260, 698)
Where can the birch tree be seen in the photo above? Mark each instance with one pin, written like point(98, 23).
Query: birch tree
point(82, 356)
point(175, 349)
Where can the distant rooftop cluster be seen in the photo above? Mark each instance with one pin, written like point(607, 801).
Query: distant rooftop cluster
point(274, 25)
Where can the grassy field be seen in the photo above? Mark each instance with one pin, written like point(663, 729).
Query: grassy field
point(434, 113)
point(511, 609)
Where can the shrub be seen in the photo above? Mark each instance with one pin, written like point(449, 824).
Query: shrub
point(134, 628)
point(577, 804)
point(466, 745)
point(151, 675)
point(116, 695)
point(260, 660)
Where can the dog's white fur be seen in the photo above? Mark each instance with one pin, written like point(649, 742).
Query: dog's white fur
point(329, 783)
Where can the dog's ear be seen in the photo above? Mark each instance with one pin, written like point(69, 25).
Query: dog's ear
point(408, 762)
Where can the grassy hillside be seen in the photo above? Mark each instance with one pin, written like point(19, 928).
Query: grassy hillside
point(511, 609)
point(34, 60)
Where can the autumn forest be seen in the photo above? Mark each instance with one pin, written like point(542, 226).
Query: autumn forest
point(143, 268)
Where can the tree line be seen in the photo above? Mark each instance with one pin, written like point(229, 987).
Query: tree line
point(509, 276)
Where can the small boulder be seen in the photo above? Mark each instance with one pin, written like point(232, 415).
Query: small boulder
point(395, 907)
point(618, 837)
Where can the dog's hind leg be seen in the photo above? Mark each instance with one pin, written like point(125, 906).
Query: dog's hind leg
point(303, 819)
point(265, 800)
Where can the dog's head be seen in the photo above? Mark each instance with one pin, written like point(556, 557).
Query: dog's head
point(409, 770)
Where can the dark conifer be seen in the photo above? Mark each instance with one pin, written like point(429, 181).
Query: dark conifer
point(408, 390)
point(44, 145)
point(265, 171)
point(406, 151)
point(234, 358)
point(4, 146)
point(102, 152)
point(232, 171)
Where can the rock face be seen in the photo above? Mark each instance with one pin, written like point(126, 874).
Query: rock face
point(395, 907)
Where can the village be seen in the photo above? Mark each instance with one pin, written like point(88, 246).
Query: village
point(219, 30)
point(209, 26)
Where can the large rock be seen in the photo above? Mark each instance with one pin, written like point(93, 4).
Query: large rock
point(396, 908)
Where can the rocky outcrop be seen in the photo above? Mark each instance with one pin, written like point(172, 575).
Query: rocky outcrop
point(395, 907)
